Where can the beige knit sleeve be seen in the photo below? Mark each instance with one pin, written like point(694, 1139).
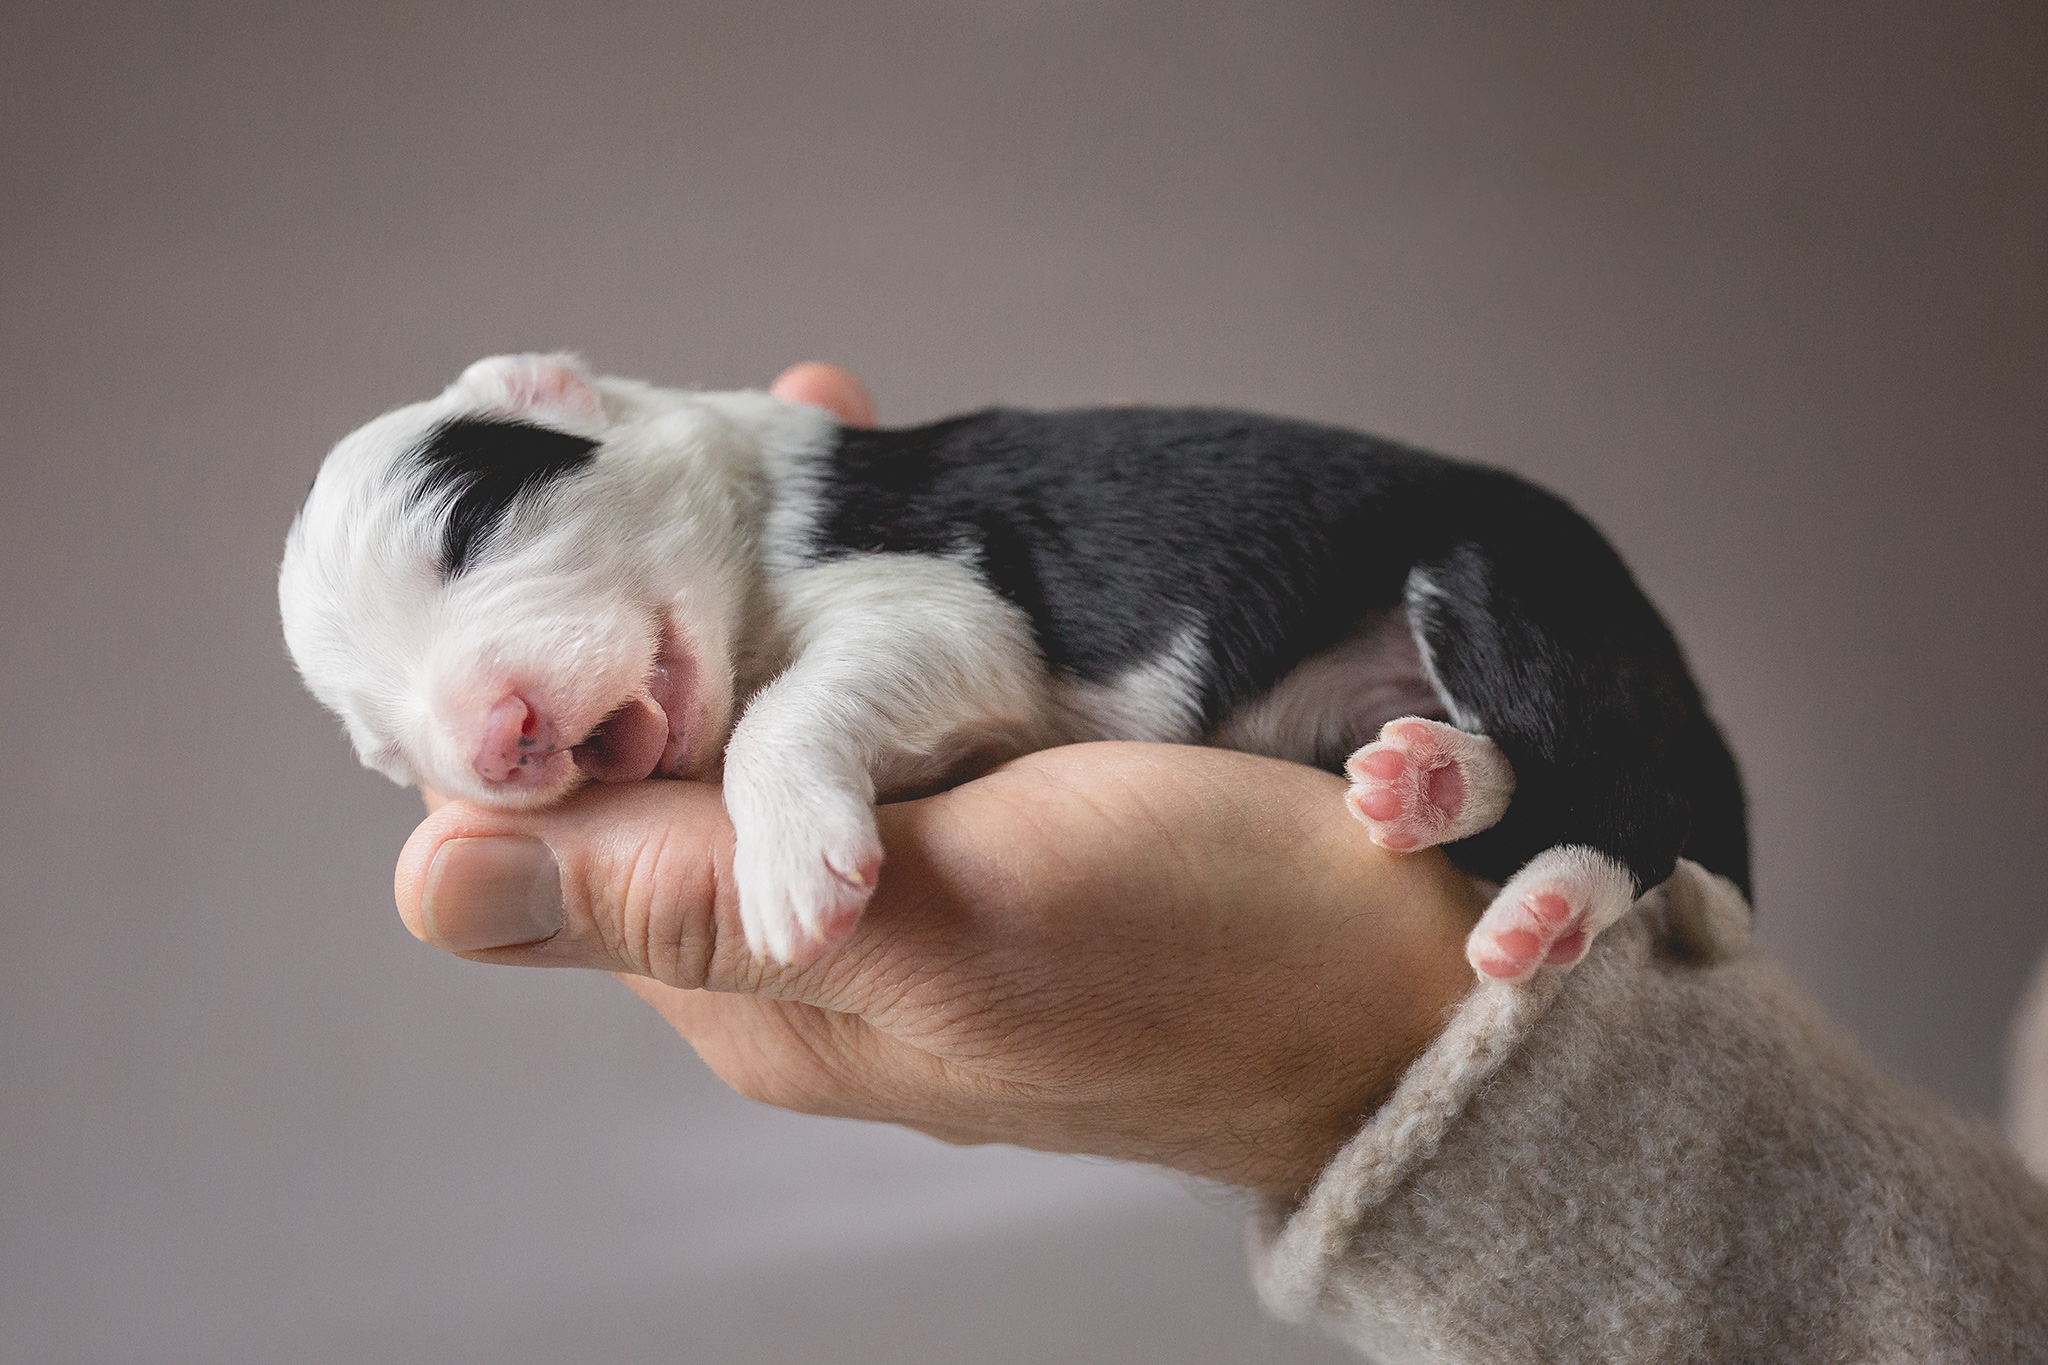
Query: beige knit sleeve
point(2027, 1079)
point(1666, 1154)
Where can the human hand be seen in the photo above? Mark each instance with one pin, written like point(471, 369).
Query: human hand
point(1179, 955)
point(1169, 954)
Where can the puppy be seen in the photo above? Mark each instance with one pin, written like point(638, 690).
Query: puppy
point(542, 578)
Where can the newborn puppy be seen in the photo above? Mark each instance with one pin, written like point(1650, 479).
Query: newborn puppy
point(542, 578)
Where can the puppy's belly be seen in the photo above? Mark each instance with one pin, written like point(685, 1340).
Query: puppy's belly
point(1318, 714)
point(1335, 701)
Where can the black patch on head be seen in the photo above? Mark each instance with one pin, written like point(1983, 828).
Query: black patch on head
point(483, 465)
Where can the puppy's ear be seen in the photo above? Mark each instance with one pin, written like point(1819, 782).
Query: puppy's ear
point(541, 388)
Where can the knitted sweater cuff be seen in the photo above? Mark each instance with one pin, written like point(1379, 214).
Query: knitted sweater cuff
point(1695, 916)
point(1665, 1153)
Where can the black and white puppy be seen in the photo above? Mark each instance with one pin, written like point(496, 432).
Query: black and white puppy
point(541, 578)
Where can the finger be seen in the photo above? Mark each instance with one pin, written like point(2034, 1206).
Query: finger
point(632, 878)
point(829, 387)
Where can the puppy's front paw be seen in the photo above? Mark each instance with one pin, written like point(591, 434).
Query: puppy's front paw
point(1548, 913)
point(1424, 783)
point(803, 883)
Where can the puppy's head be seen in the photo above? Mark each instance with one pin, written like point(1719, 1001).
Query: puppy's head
point(529, 581)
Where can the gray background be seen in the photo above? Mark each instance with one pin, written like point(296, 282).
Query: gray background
point(1762, 287)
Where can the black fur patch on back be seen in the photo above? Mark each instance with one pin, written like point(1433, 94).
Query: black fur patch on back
point(483, 465)
point(1118, 529)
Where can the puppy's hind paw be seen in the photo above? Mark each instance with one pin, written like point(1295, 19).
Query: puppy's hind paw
point(1424, 783)
point(1549, 912)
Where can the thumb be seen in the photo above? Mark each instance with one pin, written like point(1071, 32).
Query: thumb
point(632, 878)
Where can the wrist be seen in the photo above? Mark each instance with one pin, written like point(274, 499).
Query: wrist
point(1394, 976)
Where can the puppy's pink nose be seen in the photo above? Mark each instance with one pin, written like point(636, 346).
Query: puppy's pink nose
point(515, 736)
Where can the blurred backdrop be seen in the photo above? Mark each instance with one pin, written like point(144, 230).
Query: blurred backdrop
point(1762, 287)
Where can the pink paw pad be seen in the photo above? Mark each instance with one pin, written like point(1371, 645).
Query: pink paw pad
point(1424, 783)
point(1548, 913)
